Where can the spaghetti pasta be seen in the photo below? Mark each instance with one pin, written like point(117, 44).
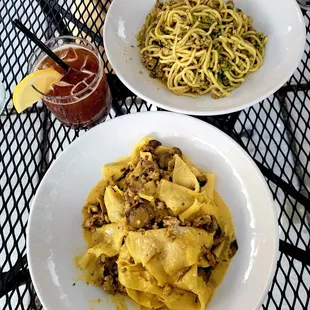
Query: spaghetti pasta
point(200, 46)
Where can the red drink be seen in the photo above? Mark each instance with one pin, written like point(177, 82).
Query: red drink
point(82, 97)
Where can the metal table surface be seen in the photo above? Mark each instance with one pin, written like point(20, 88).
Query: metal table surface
point(275, 133)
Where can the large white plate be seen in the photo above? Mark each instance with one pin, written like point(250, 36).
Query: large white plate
point(281, 20)
point(54, 235)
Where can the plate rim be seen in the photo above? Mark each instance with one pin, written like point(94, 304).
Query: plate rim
point(34, 206)
point(281, 82)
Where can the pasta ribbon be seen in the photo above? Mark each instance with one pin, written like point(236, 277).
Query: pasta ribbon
point(157, 230)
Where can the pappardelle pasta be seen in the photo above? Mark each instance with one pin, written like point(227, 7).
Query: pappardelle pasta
point(200, 46)
point(157, 230)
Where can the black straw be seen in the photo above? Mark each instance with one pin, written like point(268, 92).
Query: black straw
point(40, 44)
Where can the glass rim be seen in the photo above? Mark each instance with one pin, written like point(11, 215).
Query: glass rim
point(81, 92)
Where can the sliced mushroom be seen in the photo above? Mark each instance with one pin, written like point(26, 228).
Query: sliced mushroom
point(140, 216)
point(164, 160)
point(233, 248)
point(218, 240)
point(203, 220)
point(177, 151)
point(218, 232)
point(205, 273)
point(213, 226)
point(154, 144)
point(202, 180)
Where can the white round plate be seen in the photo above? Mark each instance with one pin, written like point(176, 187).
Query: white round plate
point(54, 234)
point(281, 20)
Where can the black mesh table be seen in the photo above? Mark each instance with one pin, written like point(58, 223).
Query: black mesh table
point(275, 132)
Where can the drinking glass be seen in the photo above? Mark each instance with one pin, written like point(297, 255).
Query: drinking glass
point(81, 99)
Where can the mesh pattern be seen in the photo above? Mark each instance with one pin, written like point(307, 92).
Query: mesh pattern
point(275, 133)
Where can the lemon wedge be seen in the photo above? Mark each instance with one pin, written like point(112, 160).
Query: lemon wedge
point(25, 96)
